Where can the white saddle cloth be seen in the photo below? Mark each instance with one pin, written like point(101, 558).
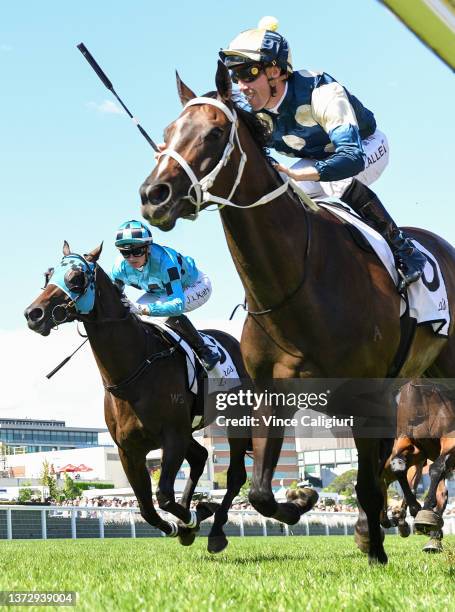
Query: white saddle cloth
point(222, 377)
point(427, 297)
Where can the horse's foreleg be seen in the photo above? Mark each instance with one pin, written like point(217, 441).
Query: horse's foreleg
point(370, 497)
point(266, 454)
point(133, 463)
point(236, 477)
point(408, 483)
point(175, 447)
point(196, 455)
point(430, 517)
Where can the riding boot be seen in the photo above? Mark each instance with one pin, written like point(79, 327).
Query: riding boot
point(208, 357)
point(409, 261)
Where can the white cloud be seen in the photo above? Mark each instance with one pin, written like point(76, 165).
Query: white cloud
point(107, 106)
point(75, 393)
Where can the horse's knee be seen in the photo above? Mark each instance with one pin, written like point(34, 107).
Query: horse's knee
point(263, 501)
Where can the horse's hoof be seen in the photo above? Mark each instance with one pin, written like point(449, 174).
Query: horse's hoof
point(216, 544)
point(362, 541)
point(379, 559)
point(205, 509)
point(301, 500)
point(387, 523)
point(433, 546)
point(427, 520)
point(404, 529)
point(186, 536)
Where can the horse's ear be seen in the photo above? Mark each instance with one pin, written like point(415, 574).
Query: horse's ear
point(223, 82)
point(185, 93)
point(94, 255)
point(66, 248)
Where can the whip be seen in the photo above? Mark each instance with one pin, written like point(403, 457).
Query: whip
point(104, 79)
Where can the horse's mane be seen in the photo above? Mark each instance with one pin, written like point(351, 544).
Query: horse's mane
point(257, 128)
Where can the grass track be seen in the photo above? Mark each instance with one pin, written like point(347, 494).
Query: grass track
point(275, 573)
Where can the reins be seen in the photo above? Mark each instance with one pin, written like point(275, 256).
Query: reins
point(202, 194)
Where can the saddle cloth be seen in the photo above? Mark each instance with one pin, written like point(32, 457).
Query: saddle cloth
point(426, 298)
point(222, 377)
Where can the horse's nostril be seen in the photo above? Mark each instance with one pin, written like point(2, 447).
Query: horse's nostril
point(34, 315)
point(158, 194)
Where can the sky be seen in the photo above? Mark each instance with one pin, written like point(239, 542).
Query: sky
point(71, 162)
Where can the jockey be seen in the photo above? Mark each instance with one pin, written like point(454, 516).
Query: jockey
point(312, 117)
point(172, 283)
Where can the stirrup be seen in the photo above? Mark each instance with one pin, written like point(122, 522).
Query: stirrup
point(208, 358)
point(407, 279)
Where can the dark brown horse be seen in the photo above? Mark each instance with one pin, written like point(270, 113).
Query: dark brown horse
point(319, 306)
point(147, 402)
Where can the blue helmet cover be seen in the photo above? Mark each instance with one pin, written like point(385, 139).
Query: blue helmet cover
point(84, 299)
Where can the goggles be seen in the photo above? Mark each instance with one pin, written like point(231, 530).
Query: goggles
point(247, 73)
point(134, 252)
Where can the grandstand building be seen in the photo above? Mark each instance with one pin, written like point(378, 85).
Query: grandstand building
point(321, 460)
point(32, 436)
point(287, 470)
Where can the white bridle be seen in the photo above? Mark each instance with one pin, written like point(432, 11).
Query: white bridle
point(201, 187)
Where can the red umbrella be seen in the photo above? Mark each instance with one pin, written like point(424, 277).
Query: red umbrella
point(83, 468)
point(67, 468)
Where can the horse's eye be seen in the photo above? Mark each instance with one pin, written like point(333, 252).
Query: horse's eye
point(215, 133)
point(76, 282)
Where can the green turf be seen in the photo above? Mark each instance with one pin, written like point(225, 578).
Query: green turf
point(276, 573)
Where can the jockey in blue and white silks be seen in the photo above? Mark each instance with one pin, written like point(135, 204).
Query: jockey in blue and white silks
point(314, 118)
point(171, 281)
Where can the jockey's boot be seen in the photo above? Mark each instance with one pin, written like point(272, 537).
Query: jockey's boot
point(409, 261)
point(208, 357)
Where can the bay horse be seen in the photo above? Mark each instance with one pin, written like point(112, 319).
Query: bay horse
point(409, 480)
point(319, 307)
point(425, 430)
point(147, 401)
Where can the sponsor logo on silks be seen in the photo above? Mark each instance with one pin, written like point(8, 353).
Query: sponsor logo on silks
point(376, 155)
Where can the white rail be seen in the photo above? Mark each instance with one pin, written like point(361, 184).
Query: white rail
point(130, 518)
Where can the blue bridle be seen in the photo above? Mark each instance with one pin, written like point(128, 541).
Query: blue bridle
point(82, 297)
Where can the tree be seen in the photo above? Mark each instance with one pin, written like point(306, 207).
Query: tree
point(156, 474)
point(221, 479)
point(70, 488)
point(245, 489)
point(344, 484)
point(25, 494)
point(49, 480)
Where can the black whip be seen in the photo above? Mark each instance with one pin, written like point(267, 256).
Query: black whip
point(60, 365)
point(93, 63)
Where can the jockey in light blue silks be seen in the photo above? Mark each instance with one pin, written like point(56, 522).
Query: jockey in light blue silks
point(172, 283)
point(312, 117)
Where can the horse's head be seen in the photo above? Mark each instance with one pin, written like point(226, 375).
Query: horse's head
point(69, 291)
point(198, 145)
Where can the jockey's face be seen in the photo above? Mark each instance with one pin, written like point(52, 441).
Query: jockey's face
point(136, 257)
point(258, 92)
point(137, 262)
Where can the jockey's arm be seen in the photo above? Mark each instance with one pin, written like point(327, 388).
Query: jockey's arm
point(333, 111)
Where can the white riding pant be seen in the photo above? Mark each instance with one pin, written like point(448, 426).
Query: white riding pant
point(195, 295)
point(376, 150)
